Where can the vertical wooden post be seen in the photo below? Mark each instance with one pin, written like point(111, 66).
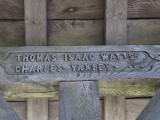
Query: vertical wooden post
point(79, 101)
point(35, 22)
point(116, 33)
point(116, 22)
point(114, 108)
point(152, 110)
point(36, 34)
point(37, 109)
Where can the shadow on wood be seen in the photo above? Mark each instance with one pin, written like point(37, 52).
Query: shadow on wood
point(6, 112)
point(152, 110)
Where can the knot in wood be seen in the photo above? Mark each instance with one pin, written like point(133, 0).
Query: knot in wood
point(71, 9)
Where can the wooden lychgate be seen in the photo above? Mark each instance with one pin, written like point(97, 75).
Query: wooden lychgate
point(78, 68)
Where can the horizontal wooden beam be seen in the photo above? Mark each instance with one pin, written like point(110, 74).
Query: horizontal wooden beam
point(23, 88)
point(83, 9)
point(128, 88)
point(74, 32)
point(41, 64)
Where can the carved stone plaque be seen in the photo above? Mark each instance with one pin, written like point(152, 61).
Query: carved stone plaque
point(79, 63)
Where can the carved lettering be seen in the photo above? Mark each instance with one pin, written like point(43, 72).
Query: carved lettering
point(38, 68)
point(78, 57)
point(78, 62)
point(118, 56)
point(89, 67)
point(30, 57)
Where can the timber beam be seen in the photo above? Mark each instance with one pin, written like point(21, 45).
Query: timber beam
point(22, 72)
point(49, 64)
point(128, 88)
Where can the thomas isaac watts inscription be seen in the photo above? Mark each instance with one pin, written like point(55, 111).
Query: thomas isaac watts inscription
point(28, 63)
point(79, 63)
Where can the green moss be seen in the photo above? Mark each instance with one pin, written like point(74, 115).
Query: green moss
point(129, 88)
point(29, 95)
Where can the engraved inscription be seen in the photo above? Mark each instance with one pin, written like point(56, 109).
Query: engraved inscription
point(35, 57)
point(27, 63)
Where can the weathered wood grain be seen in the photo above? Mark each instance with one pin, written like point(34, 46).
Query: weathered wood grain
point(115, 34)
point(89, 9)
point(116, 22)
point(36, 34)
point(13, 9)
point(114, 108)
point(144, 9)
point(146, 35)
point(79, 101)
point(20, 108)
point(6, 112)
point(37, 109)
point(91, 32)
point(80, 9)
point(129, 88)
point(144, 32)
point(12, 33)
point(19, 63)
point(64, 96)
point(75, 32)
point(82, 32)
point(35, 22)
point(152, 110)
point(53, 110)
point(134, 107)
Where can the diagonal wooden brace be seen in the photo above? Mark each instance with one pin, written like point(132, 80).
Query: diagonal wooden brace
point(152, 110)
point(6, 112)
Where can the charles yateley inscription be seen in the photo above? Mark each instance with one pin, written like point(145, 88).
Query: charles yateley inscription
point(26, 63)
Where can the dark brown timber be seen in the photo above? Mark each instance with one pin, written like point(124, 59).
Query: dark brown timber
point(80, 9)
